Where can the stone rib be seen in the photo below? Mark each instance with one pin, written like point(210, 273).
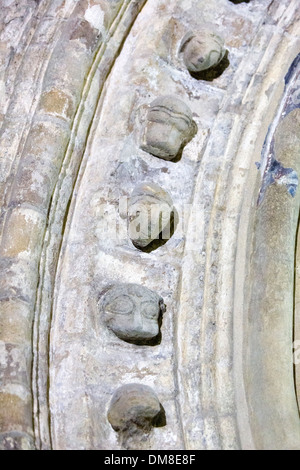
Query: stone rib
point(221, 401)
point(59, 206)
point(24, 228)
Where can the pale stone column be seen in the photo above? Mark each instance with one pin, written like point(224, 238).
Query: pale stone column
point(269, 373)
point(33, 175)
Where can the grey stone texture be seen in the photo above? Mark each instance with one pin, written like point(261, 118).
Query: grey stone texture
point(133, 405)
point(133, 313)
point(150, 215)
point(96, 100)
point(202, 50)
point(168, 127)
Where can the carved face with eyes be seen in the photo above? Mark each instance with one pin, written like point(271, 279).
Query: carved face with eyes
point(133, 313)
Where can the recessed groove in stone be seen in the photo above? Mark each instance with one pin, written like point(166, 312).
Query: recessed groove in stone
point(296, 335)
point(13, 113)
point(63, 190)
point(274, 242)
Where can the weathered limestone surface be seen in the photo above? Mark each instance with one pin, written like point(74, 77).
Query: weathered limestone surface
point(297, 322)
point(76, 81)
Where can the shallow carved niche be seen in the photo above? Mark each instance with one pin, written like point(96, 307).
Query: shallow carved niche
point(152, 217)
point(204, 54)
point(134, 313)
point(135, 409)
point(167, 128)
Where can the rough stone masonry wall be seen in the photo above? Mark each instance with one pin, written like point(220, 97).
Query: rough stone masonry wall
point(76, 77)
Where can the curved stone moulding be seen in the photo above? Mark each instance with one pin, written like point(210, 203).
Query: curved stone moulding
point(125, 13)
point(266, 247)
point(65, 77)
point(23, 82)
point(212, 370)
point(296, 345)
point(109, 260)
point(216, 425)
point(271, 388)
point(223, 417)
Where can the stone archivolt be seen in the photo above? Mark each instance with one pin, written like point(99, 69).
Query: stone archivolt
point(73, 75)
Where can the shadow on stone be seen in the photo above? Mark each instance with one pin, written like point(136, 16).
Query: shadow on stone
point(134, 410)
point(239, 1)
point(162, 238)
point(133, 313)
point(214, 72)
point(160, 420)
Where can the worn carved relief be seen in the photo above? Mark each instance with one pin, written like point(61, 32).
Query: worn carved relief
point(134, 410)
point(149, 225)
point(133, 313)
point(168, 127)
point(134, 405)
point(152, 216)
point(202, 50)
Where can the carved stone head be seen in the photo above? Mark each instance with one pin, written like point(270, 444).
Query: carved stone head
point(168, 127)
point(133, 313)
point(150, 212)
point(202, 50)
point(135, 407)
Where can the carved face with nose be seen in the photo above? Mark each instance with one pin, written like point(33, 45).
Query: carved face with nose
point(133, 313)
